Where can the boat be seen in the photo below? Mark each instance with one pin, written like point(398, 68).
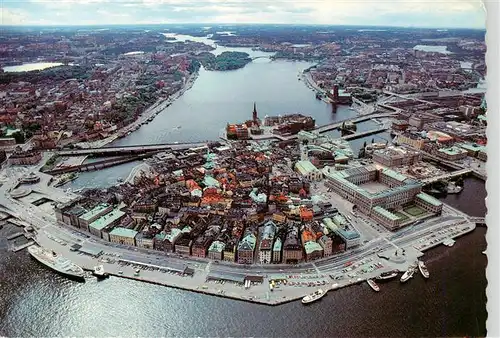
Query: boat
point(387, 275)
point(314, 296)
point(119, 180)
point(408, 274)
point(449, 242)
point(452, 188)
point(373, 285)
point(56, 262)
point(99, 272)
point(423, 269)
point(65, 178)
point(484, 252)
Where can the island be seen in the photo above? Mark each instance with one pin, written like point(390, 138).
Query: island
point(224, 61)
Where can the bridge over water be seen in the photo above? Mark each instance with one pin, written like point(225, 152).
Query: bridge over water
point(446, 176)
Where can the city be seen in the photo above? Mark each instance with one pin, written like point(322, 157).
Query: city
point(262, 205)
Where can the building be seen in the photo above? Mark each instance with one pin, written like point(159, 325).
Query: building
point(313, 250)
point(350, 236)
point(71, 215)
point(393, 190)
point(383, 216)
point(326, 244)
point(123, 236)
point(216, 250)
point(411, 140)
point(144, 240)
point(452, 153)
point(90, 216)
point(396, 156)
point(246, 249)
point(400, 125)
point(107, 221)
point(266, 242)
point(308, 170)
point(429, 203)
point(237, 132)
point(292, 250)
point(277, 251)
point(472, 149)
point(30, 157)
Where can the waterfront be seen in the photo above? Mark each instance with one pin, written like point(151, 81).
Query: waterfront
point(28, 67)
point(36, 301)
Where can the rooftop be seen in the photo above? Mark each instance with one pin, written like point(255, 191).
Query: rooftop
point(386, 213)
point(107, 219)
point(123, 232)
point(305, 167)
point(95, 211)
point(429, 199)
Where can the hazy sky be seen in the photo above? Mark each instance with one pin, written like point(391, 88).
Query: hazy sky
point(418, 13)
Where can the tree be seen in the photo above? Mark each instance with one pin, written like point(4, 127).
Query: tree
point(19, 137)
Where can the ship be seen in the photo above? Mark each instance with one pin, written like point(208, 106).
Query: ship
point(387, 275)
point(56, 262)
point(452, 188)
point(484, 252)
point(313, 296)
point(65, 178)
point(373, 285)
point(408, 274)
point(423, 269)
point(99, 272)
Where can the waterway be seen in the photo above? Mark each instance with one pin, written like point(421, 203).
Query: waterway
point(27, 67)
point(434, 49)
point(35, 301)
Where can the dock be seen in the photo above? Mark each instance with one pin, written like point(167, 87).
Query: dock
point(14, 235)
point(24, 246)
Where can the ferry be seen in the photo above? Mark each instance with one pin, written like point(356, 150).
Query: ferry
point(408, 274)
point(99, 272)
point(313, 296)
point(387, 275)
point(58, 263)
point(449, 242)
point(373, 285)
point(423, 269)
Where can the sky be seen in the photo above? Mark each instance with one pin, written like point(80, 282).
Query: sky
point(402, 13)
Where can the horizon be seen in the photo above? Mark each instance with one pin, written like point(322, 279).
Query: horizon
point(443, 14)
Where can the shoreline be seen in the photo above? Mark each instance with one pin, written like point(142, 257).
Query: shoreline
point(156, 108)
point(259, 293)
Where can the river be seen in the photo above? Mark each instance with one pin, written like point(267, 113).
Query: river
point(34, 301)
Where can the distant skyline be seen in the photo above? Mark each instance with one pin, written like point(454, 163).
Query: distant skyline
point(400, 13)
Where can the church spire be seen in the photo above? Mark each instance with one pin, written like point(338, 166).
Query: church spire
point(254, 113)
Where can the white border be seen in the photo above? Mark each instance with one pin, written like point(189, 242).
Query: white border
point(492, 167)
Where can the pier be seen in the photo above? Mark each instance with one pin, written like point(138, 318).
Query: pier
point(23, 246)
point(14, 235)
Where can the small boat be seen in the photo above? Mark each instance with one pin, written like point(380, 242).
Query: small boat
point(387, 275)
point(484, 252)
point(373, 285)
point(408, 274)
point(452, 188)
point(119, 179)
point(313, 296)
point(99, 272)
point(449, 242)
point(423, 269)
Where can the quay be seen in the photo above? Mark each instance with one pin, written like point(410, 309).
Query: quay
point(15, 235)
point(23, 246)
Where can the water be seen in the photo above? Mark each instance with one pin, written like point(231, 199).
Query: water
point(28, 67)
point(435, 49)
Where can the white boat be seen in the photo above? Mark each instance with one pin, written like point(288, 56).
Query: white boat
point(387, 275)
point(56, 262)
point(449, 242)
point(373, 285)
point(99, 272)
point(484, 252)
point(423, 269)
point(453, 189)
point(313, 296)
point(408, 274)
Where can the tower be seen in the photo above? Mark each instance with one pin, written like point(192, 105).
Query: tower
point(254, 114)
point(303, 152)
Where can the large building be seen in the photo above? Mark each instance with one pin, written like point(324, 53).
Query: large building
point(266, 243)
point(375, 191)
point(107, 221)
point(452, 153)
point(307, 170)
point(90, 216)
point(30, 157)
point(395, 156)
point(246, 248)
point(123, 236)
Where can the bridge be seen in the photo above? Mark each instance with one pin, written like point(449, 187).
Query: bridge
point(100, 164)
point(478, 220)
point(446, 176)
point(363, 134)
point(128, 150)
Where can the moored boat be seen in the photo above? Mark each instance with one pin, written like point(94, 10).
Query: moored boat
point(99, 272)
point(408, 274)
point(449, 242)
point(387, 275)
point(373, 285)
point(320, 293)
point(423, 269)
point(56, 262)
